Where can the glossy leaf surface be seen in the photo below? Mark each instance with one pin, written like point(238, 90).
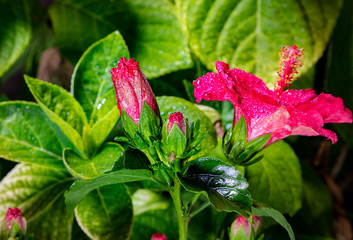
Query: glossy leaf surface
point(226, 187)
point(91, 80)
point(27, 135)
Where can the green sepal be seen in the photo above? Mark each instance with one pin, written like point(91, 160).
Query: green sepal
point(196, 135)
point(234, 140)
point(148, 129)
point(252, 148)
point(149, 123)
point(16, 231)
point(238, 150)
point(130, 127)
point(176, 141)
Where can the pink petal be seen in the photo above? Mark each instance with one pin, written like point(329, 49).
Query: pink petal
point(132, 89)
point(292, 97)
point(213, 86)
point(177, 118)
point(330, 108)
point(278, 123)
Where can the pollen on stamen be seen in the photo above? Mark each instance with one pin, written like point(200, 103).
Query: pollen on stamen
point(289, 63)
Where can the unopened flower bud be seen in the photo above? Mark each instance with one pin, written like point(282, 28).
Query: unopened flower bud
point(258, 225)
point(14, 215)
point(158, 236)
point(240, 229)
point(136, 102)
point(175, 135)
point(14, 225)
point(243, 229)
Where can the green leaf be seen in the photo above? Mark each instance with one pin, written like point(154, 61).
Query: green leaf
point(91, 80)
point(169, 105)
point(32, 188)
point(27, 135)
point(276, 180)
point(339, 70)
point(150, 28)
point(61, 108)
point(100, 163)
point(150, 222)
point(81, 188)
point(54, 223)
point(104, 117)
point(226, 187)
point(269, 212)
point(106, 213)
point(248, 34)
point(317, 210)
point(15, 32)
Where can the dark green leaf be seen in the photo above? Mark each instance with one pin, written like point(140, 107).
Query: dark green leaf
point(91, 80)
point(169, 105)
point(97, 165)
point(106, 213)
point(32, 188)
point(15, 32)
point(81, 188)
point(276, 180)
point(226, 187)
point(149, 27)
point(317, 207)
point(248, 34)
point(61, 108)
point(269, 212)
point(27, 135)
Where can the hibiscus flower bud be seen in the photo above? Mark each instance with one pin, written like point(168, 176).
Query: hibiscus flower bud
point(258, 225)
point(159, 236)
point(14, 224)
point(243, 229)
point(175, 135)
point(136, 102)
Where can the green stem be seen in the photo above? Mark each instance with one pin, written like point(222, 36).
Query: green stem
point(183, 219)
point(203, 206)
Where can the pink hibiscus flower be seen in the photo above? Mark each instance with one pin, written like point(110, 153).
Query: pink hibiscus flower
point(282, 113)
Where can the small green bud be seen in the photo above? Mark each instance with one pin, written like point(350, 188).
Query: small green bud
point(175, 135)
point(238, 150)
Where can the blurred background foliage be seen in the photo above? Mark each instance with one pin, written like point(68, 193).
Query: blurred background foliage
point(179, 40)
